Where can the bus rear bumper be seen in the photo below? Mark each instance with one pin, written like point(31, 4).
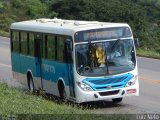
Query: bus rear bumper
point(88, 96)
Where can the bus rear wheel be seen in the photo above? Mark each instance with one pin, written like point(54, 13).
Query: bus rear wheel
point(117, 100)
point(64, 98)
point(62, 92)
point(30, 84)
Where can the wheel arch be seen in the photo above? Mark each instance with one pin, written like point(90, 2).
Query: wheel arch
point(60, 85)
point(29, 72)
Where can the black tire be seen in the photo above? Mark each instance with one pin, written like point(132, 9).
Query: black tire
point(64, 96)
point(30, 84)
point(62, 93)
point(117, 100)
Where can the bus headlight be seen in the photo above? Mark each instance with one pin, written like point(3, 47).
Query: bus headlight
point(132, 81)
point(84, 86)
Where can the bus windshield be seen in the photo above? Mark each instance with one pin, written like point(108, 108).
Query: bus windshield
point(105, 58)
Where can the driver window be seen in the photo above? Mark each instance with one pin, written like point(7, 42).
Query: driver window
point(82, 55)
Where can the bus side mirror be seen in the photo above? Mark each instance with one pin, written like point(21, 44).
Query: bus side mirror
point(68, 51)
point(136, 42)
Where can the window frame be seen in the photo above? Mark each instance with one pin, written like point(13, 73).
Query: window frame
point(12, 41)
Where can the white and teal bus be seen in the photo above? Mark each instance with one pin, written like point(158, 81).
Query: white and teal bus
point(79, 61)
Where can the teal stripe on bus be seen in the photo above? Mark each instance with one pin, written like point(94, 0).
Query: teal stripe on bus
point(51, 70)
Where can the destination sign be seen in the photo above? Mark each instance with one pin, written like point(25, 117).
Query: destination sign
point(102, 34)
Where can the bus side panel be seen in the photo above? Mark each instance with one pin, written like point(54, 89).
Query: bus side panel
point(52, 71)
point(20, 65)
point(29, 63)
point(15, 62)
point(16, 66)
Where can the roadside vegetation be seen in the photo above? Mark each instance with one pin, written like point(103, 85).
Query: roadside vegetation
point(13, 101)
point(148, 53)
point(5, 34)
point(142, 15)
point(22, 105)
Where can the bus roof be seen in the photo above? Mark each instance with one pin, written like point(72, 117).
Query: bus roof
point(61, 26)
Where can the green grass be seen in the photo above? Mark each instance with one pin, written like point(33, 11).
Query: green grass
point(21, 105)
point(13, 101)
point(5, 34)
point(148, 53)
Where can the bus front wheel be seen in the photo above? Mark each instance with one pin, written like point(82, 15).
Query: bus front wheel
point(30, 84)
point(117, 100)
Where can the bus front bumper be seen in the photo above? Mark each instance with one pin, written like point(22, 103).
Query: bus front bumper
point(88, 96)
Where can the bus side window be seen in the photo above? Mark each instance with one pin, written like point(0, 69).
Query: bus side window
point(60, 48)
point(24, 44)
point(51, 47)
point(31, 44)
point(44, 46)
point(15, 41)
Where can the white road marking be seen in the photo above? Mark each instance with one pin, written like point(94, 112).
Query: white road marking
point(4, 65)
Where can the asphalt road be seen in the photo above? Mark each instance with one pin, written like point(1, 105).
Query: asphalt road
point(5, 64)
point(149, 76)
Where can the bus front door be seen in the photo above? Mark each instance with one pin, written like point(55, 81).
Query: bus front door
point(69, 61)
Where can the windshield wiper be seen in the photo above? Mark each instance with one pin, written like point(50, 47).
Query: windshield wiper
point(115, 44)
point(111, 50)
point(91, 45)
